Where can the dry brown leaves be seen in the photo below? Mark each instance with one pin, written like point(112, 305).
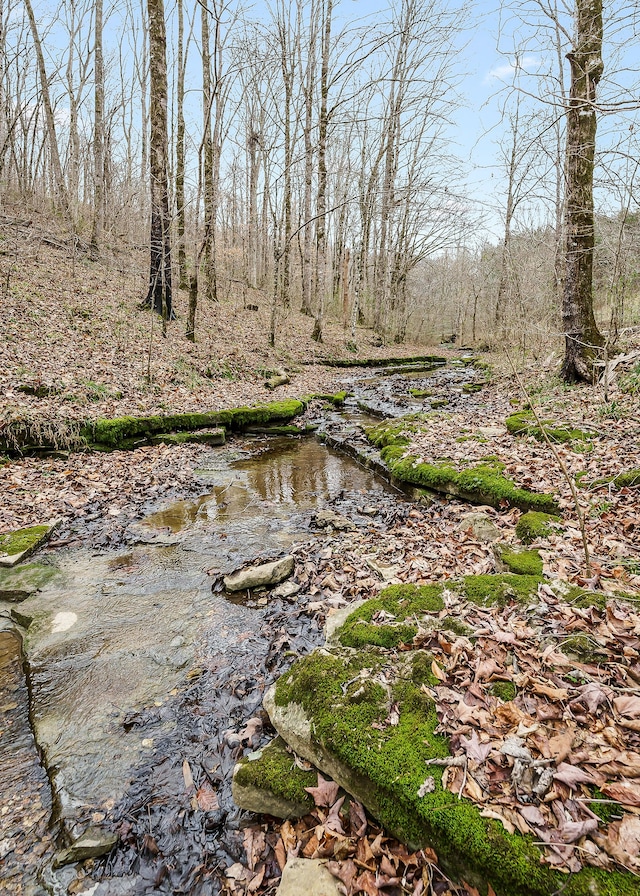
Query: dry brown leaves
point(534, 762)
point(358, 853)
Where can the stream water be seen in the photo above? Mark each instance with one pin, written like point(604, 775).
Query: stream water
point(142, 672)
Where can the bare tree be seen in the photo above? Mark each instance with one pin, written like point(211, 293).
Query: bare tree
point(159, 294)
point(582, 337)
point(98, 136)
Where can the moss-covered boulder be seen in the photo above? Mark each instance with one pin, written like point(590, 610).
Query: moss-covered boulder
point(524, 423)
point(367, 718)
point(126, 431)
point(269, 782)
point(21, 543)
point(534, 525)
point(213, 437)
point(527, 563)
point(482, 483)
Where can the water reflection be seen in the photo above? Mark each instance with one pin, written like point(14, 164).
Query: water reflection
point(300, 474)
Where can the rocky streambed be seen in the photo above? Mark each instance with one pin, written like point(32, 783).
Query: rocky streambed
point(146, 674)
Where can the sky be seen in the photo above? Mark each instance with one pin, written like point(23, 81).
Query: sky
point(486, 50)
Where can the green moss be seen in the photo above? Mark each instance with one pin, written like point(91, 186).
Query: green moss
point(402, 602)
point(628, 479)
point(439, 403)
point(421, 672)
point(420, 393)
point(276, 772)
point(451, 624)
point(579, 597)
point(487, 591)
point(482, 483)
point(522, 563)
point(22, 539)
point(115, 433)
point(383, 362)
point(524, 423)
point(391, 759)
point(608, 810)
point(19, 582)
point(584, 648)
point(534, 525)
point(210, 437)
point(503, 690)
point(470, 388)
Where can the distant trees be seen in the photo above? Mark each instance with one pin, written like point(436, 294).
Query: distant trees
point(301, 158)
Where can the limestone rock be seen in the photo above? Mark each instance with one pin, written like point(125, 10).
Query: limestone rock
point(481, 525)
point(256, 576)
point(326, 518)
point(21, 543)
point(20, 582)
point(309, 877)
point(286, 590)
point(281, 378)
point(94, 842)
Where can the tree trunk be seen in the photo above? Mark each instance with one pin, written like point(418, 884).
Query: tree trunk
point(180, 132)
point(208, 161)
point(98, 138)
point(582, 337)
point(60, 190)
point(321, 226)
point(159, 295)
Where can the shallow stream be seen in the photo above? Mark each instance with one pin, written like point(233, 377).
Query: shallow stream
point(139, 662)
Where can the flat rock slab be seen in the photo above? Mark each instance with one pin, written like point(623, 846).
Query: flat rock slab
point(481, 526)
point(94, 842)
point(20, 582)
point(307, 877)
point(21, 543)
point(260, 576)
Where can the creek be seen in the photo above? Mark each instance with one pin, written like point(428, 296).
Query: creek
point(144, 678)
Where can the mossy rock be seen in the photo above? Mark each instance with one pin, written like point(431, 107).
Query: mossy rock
point(525, 424)
point(527, 563)
point(482, 483)
point(439, 403)
point(20, 582)
point(384, 362)
point(470, 388)
point(534, 525)
point(122, 431)
point(326, 708)
point(392, 618)
point(211, 437)
point(421, 393)
point(269, 782)
point(21, 543)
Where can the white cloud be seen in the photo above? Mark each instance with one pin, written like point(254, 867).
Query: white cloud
point(508, 69)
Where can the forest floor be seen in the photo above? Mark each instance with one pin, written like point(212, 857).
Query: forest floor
point(76, 329)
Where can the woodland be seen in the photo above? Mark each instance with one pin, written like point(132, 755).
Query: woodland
point(234, 228)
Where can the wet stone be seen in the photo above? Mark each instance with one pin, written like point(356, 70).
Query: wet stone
point(259, 576)
point(328, 518)
point(94, 842)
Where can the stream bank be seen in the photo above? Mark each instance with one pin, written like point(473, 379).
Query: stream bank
point(205, 712)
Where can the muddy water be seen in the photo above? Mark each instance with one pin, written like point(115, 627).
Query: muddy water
point(116, 635)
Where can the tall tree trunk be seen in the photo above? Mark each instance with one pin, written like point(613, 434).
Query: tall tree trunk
point(308, 89)
point(98, 137)
point(62, 200)
point(582, 337)
point(253, 146)
point(180, 132)
point(321, 204)
point(208, 160)
point(159, 295)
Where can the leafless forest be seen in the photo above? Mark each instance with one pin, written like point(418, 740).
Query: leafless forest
point(311, 156)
